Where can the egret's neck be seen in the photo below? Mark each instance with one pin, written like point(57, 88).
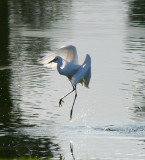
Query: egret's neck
point(59, 65)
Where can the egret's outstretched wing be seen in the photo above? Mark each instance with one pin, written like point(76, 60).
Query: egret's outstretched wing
point(83, 75)
point(68, 54)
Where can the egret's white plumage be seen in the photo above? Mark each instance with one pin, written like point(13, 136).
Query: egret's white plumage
point(66, 60)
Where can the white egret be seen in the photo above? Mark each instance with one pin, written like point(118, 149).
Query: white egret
point(66, 60)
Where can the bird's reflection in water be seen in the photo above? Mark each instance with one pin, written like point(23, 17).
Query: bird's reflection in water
point(71, 151)
point(61, 157)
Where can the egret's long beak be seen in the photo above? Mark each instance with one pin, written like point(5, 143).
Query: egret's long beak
point(53, 60)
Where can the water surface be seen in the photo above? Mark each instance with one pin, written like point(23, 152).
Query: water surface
point(108, 118)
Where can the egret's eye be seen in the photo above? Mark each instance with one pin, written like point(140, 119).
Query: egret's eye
point(55, 59)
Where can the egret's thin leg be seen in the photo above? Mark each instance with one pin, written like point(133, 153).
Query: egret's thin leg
point(73, 103)
point(61, 100)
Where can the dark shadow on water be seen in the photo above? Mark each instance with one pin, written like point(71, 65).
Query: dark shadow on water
point(12, 146)
point(5, 100)
point(137, 12)
point(134, 59)
point(4, 33)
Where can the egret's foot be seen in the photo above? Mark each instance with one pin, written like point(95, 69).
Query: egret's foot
point(60, 102)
